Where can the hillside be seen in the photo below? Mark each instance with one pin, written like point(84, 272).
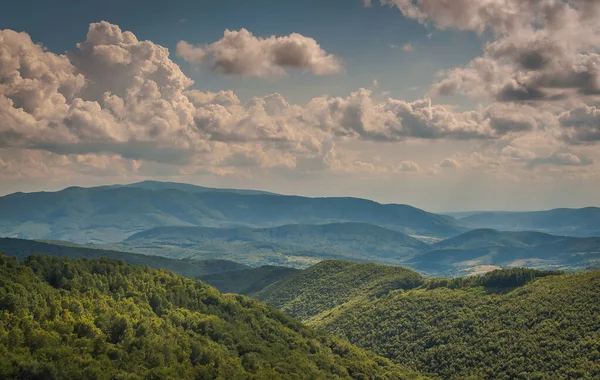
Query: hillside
point(485, 249)
point(290, 245)
point(330, 283)
point(190, 268)
point(547, 329)
point(112, 214)
point(514, 323)
point(584, 222)
point(247, 281)
point(104, 319)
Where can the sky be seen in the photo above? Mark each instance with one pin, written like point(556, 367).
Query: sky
point(445, 105)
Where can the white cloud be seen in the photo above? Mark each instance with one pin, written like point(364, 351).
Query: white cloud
point(538, 52)
point(242, 53)
point(117, 102)
point(191, 53)
point(408, 47)
point(561, 159)
point(407, 166)
point(450, 163)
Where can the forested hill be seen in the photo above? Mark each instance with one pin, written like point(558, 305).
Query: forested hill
point(334, 282)
point(105, 319)
point(508, 324)
point(190, 268)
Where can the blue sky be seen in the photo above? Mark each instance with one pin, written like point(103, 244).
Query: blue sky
point(479, 113)
point(361, 36)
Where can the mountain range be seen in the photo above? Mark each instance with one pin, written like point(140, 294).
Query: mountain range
point(256, 228)
point(481, 250)
point(112, 214)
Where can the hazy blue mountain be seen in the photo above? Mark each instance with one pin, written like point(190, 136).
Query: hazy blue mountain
point(190, 268)
point(582, 222)
point(111, 214)
point(486, 237)
point(247, 281)
point(157, 185)
point(290, 245)
point(485, 249)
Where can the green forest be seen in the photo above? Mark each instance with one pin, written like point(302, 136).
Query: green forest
point(106, 319)
point(507, 324)
point(334, 282)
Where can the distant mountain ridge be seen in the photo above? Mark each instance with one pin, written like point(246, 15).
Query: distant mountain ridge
point(112, 214)
point(582, 222)
point(481, 250)
point(157, 185)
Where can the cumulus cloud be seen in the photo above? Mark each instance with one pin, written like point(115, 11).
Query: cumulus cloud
point(358, 115)
point(538, 52)
point(408, 47)
point(242, 53)
point(118, 101)
point(191, 53)
point(582, 124)
point(407, 166)
point(449, 163)
point(561, 159)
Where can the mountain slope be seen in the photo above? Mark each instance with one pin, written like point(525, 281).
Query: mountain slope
point(299, 244)
point(331, 283)
point(103, 319)
point(111, 214)
point(190, 268)
point(547, 329)
point(583, 222)
point(485, 249)
point(247, 281)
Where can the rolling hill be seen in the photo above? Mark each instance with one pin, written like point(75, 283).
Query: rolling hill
point(481, 250)
point(103, 319)
point(547, 329)
point(290, 245)
point(514, 323)
point(112, 214)
point(20, 249)
point(584, 222)
point(333, 282)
